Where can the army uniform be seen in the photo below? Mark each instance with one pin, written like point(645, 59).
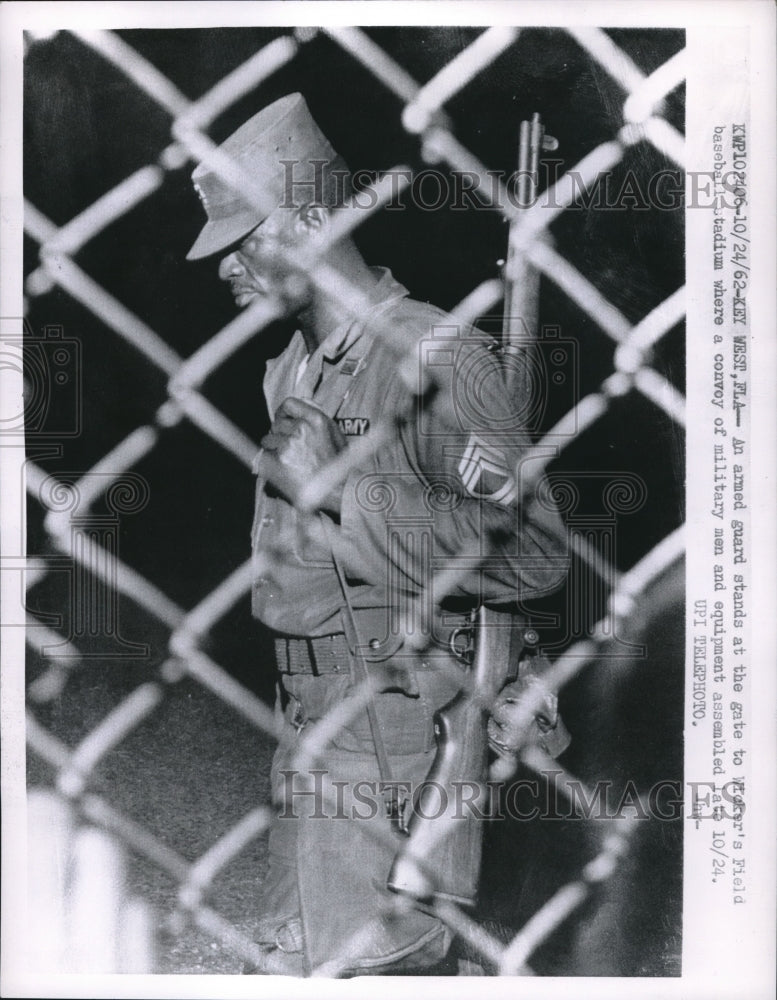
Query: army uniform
point(421, 501)
point(439, 493)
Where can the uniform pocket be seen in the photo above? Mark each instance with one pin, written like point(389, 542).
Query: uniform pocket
point(405, 723)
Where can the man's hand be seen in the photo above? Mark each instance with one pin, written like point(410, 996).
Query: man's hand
point(303, 439)
point(525, 713)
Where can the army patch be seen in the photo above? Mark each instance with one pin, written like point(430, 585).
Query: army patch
point(353, 426)
point(484, 472)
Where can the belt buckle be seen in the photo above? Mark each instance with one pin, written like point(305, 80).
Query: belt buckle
point(462, 643)
point(298, 719)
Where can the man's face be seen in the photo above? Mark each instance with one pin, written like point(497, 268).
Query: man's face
point(258, 265)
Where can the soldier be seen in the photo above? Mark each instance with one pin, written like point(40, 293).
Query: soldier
point(339, 588)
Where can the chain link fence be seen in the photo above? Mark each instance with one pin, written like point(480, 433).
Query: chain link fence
point(88, 736)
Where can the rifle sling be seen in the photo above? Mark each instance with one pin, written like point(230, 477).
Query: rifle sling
point(394, 805)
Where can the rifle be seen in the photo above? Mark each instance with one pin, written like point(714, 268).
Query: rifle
point(443, 854)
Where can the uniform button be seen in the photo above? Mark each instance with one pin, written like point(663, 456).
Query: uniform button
point(267, 519)
point(374, 643)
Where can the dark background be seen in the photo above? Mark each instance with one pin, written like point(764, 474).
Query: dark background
point(86, 129)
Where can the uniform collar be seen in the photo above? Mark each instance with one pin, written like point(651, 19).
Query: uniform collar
point(343, 337)
point(281, 371)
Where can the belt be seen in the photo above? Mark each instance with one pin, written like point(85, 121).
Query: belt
point(330, 654)
point(327, 654)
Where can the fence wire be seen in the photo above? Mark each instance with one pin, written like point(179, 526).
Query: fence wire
point(422, 111)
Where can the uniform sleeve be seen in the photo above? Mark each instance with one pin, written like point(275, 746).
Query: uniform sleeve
point(449, 498)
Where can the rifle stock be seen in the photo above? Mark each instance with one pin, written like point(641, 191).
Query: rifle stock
point(442, 856)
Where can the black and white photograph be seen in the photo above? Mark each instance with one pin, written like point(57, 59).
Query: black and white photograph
point(385, 454)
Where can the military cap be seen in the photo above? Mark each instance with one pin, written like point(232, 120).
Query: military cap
point(283, 131)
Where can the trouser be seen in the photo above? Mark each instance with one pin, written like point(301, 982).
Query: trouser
point(325, 904)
